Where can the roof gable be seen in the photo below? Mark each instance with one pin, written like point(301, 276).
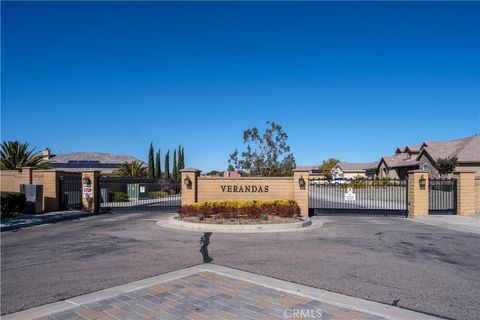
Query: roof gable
point(465, 149)
point(357, 166)
point(399, 160)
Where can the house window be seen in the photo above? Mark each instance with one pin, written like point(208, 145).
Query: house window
point(426, 167)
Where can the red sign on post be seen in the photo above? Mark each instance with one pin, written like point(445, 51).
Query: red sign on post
point(87, 191)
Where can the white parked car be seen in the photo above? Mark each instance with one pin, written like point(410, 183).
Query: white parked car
point(319, 182)
point(338, 181)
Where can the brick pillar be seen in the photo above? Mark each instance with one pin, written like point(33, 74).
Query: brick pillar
point(189, 194)
point(51, 190)
point(91, 203)
point(27, 173)
point(300, 195)
point(465, 192)
point(417, 195)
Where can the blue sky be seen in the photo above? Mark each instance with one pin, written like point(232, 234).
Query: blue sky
point(346, 80)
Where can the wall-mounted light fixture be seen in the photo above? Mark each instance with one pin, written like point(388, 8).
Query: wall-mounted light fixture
point(86, 180)
point(301, 183)
point(188, 182)
point(422, 182)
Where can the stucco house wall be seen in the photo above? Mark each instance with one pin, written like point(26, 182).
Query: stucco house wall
point(425, 159)
point(477, 194)
point(350, 175)
point(475, 167)
point(384, 172)
point(337, 172)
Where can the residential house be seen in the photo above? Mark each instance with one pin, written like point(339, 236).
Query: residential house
point(106, 163)
point(231, 174)
point(348, 170)
point(426, 155)
point(396, 166)
point(467, 151)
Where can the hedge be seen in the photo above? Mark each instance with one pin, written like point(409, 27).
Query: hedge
point(12, 202)
point(158, 194)
point(241, 209)
point(120, 197)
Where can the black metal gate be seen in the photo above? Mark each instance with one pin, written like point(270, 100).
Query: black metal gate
point(119, 194)
point(359, 197)
point(70, 192)
point(442, 195)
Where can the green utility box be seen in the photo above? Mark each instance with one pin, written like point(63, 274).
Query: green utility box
point(137, 191)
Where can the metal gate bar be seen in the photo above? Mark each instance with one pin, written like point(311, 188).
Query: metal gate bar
point(70, 192)
point(120, 194)
point(442, 194)
point(368, 197)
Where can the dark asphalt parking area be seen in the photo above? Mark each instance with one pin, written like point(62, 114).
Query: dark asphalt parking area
point(389, 260)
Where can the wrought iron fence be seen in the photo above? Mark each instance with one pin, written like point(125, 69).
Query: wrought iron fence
point(358, 197)
point(442, 194)
point(70, 192)
point(138, 194)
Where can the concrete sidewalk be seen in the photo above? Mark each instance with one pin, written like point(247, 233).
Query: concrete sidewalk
point(28, 220)
point(214, 292)
point(459, 223)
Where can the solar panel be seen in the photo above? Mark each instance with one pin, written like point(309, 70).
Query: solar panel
point(82, 164)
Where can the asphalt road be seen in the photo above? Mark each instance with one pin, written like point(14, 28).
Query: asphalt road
point(390, 260)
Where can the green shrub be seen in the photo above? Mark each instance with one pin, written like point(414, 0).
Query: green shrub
point(120, 197)
point(157, 194)
point(12, 202)
point(379, 182)
point(241, 209)
point(172, 192)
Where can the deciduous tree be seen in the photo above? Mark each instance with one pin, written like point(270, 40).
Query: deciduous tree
point(265, 154)
point(326, 167)
point(447, 165)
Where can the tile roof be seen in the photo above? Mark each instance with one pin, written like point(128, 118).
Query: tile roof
point(299, 168)
point(350, 166)
point(399, 160)
point(102, 157)
point(465, 149)
point(414, 148)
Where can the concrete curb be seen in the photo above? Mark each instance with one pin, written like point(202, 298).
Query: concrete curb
point(340, 300)
point(45, 221)
point(177, 224)
point(475, 228)
point(42, 311)
point(337, 299)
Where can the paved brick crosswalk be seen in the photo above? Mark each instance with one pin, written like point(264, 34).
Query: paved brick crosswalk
point(208, 295)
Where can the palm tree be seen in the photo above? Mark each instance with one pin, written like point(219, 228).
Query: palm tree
point(134, 169)
point(15, 155)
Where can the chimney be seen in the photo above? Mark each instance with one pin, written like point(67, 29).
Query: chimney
point(46, 153)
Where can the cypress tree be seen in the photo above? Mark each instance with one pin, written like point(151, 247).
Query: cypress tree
point(151, 169)
point(183, 158)
point(180, 166)
point(158, 170)
point(167, 165)
point(175, 165)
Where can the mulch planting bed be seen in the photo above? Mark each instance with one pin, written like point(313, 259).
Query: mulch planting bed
point(271, 220)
